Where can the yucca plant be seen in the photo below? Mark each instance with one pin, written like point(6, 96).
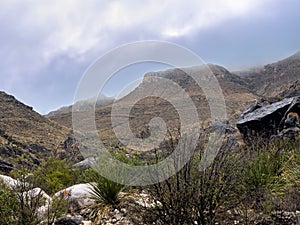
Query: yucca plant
point(106, 193)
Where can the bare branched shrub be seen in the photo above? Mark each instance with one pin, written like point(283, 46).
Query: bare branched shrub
point(192, 195)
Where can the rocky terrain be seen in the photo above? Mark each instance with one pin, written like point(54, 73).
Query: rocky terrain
point(24, 132)
point(236, 92)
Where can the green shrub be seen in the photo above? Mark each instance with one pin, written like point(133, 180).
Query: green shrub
point(265, 175)
point(130, 159)
point(21, 206)
point(55, 175)
point(8, 205)
point(106, 191)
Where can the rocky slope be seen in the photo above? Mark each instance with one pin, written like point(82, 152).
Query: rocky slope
point(236, 92)
point(276, 80)
point(25, 132)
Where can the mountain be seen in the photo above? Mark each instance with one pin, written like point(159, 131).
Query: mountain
point(272, 81)
point(236, 92)
point(25, 132)
point(276, 80)
point(63, 114)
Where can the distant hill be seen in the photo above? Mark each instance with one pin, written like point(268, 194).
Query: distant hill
point(63, 114)
point(276, 80)
point(25, 132)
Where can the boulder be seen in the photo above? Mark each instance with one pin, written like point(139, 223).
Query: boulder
point(39, 194)
point(78, 196)
point(8, 181)
point(222, 125)
point(290, 133)
point(265, 121)
point(30, 194)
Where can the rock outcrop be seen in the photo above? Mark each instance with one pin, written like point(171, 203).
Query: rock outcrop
point(270, 120)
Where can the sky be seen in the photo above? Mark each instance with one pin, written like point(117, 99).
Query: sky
point(46, 46)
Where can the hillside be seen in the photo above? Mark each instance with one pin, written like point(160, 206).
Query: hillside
point(273, 81)
point(277, 80)
point(63, 114)
point(25, 132)
point(236, 92)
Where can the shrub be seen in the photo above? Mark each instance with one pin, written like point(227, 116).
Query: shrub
point(268, 174)
point(24, 203)
point(55, 175)
point(8, 205)
point(194, 195)
point(106, 193)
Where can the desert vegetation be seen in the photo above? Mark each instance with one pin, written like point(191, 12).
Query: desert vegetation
point(248, 184)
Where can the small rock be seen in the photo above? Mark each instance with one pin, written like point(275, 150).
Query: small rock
point(116, 211)
point(123, 210)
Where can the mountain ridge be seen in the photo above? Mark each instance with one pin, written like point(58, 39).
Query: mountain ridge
point(274, 79)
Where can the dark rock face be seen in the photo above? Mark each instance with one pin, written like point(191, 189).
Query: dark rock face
point(35, 148)
point(69, 221)
point(265, 121)
point(69, 149)
point(10, 151)
point(5, 166)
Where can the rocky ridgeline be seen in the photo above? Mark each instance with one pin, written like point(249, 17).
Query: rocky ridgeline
point(276, 79)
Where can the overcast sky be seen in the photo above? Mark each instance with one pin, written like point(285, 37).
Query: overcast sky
point(45, 46)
